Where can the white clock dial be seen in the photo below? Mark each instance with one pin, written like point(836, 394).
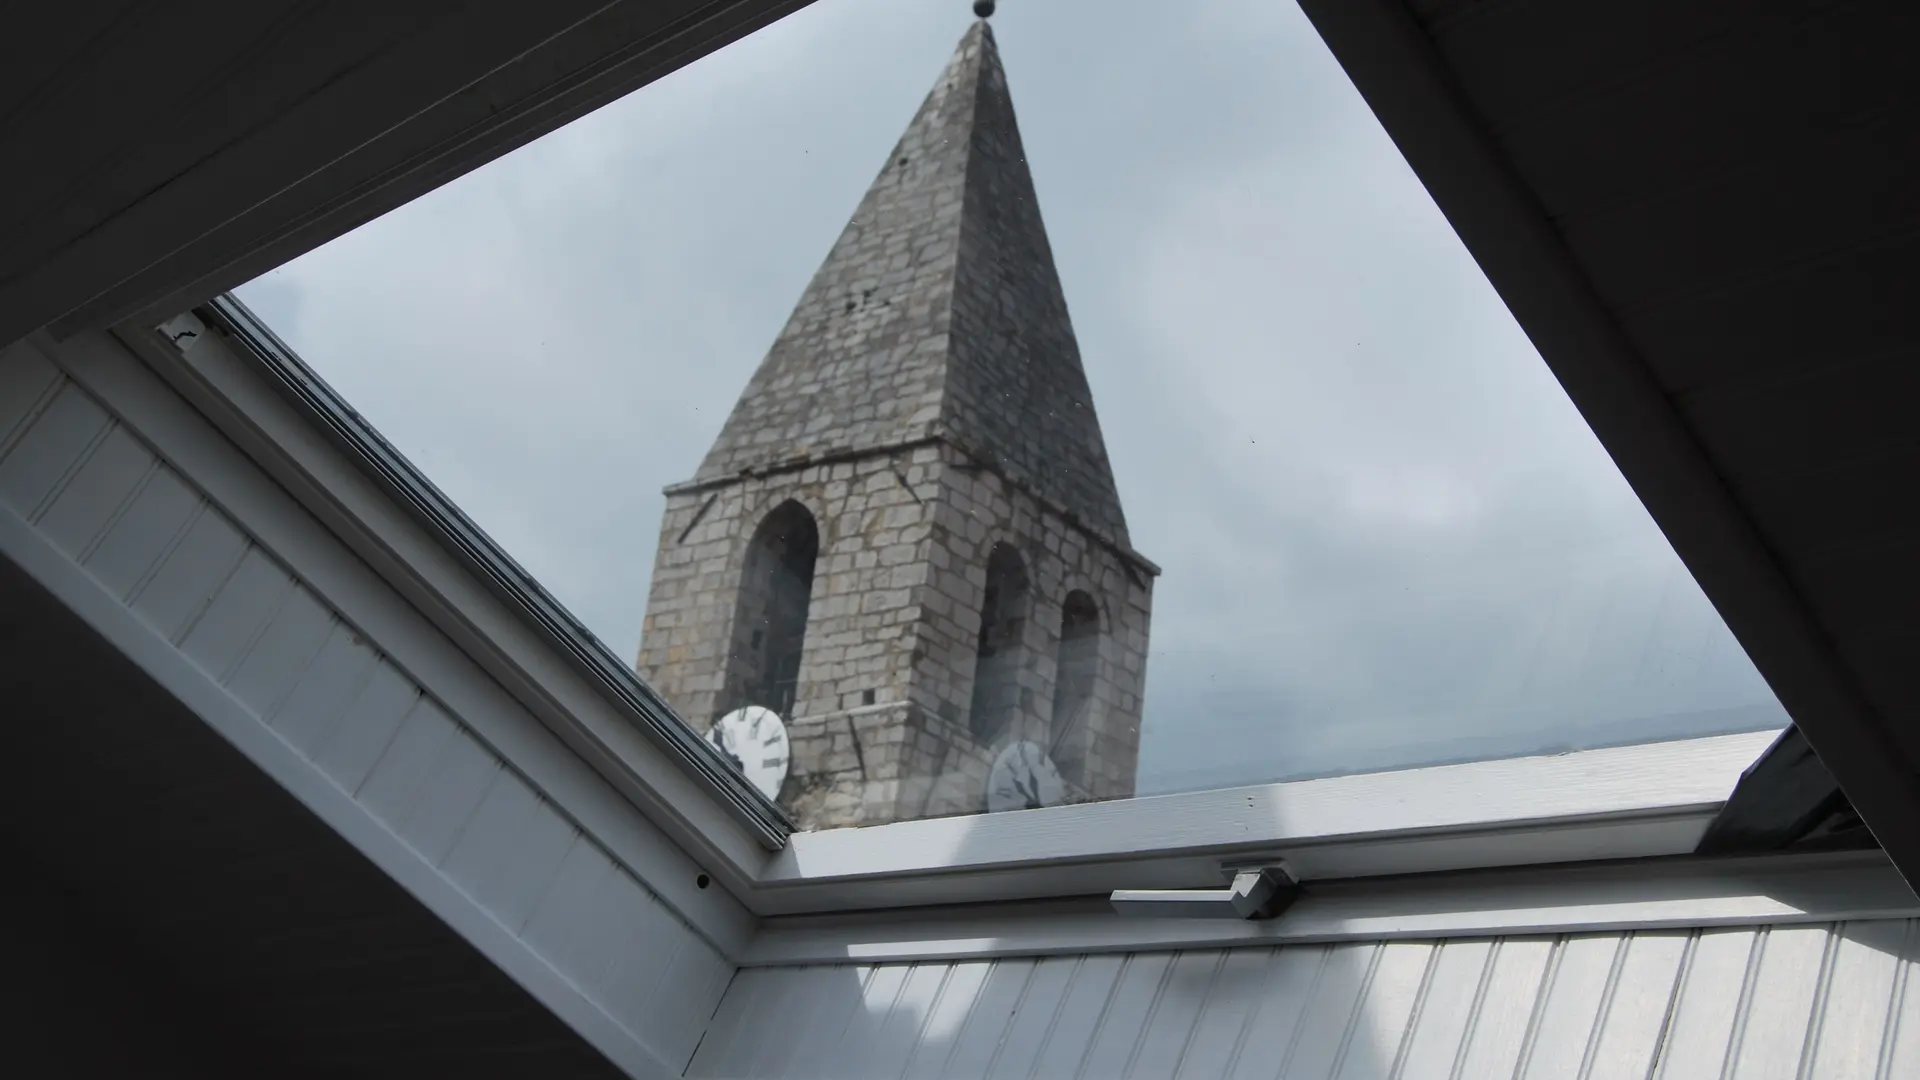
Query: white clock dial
point(755, 740)
point(1024, 778)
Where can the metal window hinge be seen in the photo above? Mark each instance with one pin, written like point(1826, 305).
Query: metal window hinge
point(1256, 893)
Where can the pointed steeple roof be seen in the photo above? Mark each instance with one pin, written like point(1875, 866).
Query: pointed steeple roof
point(937, 315)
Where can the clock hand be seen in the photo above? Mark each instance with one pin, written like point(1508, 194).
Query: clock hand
point(725, 744)
point(1032, 793)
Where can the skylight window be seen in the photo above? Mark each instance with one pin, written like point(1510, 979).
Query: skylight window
point(788, 406)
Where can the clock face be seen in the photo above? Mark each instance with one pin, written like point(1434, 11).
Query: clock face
point(755, 740)
point(1024, 778)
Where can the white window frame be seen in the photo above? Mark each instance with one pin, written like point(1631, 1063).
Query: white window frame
point(1601, 897)
point(1627, 802)
point(1643, 801)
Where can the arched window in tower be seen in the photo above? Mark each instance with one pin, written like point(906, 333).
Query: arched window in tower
point(999, 659)
point(1078, 662)
point(770, 621)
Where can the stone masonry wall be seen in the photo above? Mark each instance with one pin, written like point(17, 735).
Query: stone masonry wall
point(879, 730)
point(849, 728)
point(980, 508)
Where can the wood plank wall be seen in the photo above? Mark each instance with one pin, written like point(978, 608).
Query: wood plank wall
point(1836, 1002)
point(87, 483)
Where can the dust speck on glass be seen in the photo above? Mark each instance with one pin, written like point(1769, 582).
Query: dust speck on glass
point(768, 372)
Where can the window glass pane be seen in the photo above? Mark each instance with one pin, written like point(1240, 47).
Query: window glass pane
point(938, 461)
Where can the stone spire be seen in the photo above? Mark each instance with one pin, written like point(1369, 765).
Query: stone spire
point(937, 316)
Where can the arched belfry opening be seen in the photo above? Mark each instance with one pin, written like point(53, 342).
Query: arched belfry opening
point(770, 619)
point(1001, 653)
point(1077, 664)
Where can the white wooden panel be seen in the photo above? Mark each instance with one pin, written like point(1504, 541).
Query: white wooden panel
point(1060, 1041)
point(1784, 989)
point(961, 999)
point(991, 1010)
point(1373, 1046)
point(566, 924)
point(1903, 1026)
point(202, 601)
point(1221, 1030)
point(1333, 1010)
point(783, 1005)
point(640, 944)
point(838, 993)
point(1711, 997)
point(1503, 1014)
point(448, 796)
point(1043, 996)
point(621, 946)
point(205, 553)
point(391, 789)
point(590, 775)
point(685, 997)
point(348, 749)
point(1452, 993)
point(226, 628)
point(781, 1001)
point(1637, 1007)
point(877, 999)
point(899, 1029)
point(282, 656)
point(510, 850)
point(54, 445)
point(1116, 1037)
point(176, 675)
point(1861, 1000)
point(145, 531)
point(1582, 972)
point(1293, 978)
point(94, 495)
point(1169, 1027)
point(843, 993)
point(333, 682)
point(834, 995)
point(392, 576)
point(1662, 1004)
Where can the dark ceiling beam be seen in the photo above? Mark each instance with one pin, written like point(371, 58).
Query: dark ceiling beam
point(1410, 89)
point(361, 124)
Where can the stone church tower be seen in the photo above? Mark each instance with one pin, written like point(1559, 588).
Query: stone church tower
point(907, 540)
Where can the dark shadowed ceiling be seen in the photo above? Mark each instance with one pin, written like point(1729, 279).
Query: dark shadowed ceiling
point(1706, 214)
point(230, 911)
point(157, 154)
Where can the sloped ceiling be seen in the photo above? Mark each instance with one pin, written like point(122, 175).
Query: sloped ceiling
point(230, 908)
point(158, 154)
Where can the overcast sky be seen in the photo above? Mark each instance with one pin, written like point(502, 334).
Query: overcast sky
point(1388, 538)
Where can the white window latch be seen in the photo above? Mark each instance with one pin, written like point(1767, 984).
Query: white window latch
point(1256, 893)
point(184, 330)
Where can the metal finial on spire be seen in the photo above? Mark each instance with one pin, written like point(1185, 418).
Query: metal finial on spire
point(983, 8)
